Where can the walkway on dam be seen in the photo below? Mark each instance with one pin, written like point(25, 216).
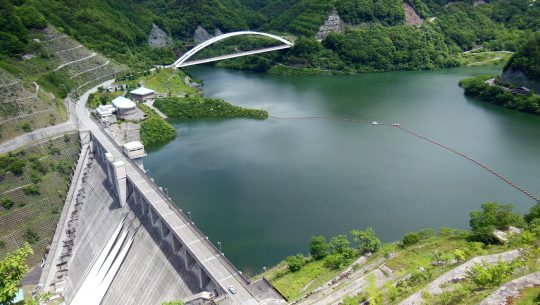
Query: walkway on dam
point(221, 271)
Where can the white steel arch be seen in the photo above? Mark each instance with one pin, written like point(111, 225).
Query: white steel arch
point(205, 44)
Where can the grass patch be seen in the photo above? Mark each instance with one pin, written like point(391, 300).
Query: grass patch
point(529, 296)
point(484, 58)
point(195, 107)
point(165, 81)
point(292, 284)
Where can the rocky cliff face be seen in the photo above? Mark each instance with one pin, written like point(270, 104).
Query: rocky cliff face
point(519, 78)
point(411, 17)
point(158, 38)
point(333, 24)
point(201, 35)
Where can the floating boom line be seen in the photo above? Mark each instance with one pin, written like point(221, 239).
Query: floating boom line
point(410, 132)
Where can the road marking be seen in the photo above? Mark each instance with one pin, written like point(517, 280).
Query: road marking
point(195, 241)
point(209, 259)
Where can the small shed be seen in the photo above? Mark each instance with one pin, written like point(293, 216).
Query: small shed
point(143, 95)
point(134, 150)
point(124, 106)
point(105, 111)
point(521, 91)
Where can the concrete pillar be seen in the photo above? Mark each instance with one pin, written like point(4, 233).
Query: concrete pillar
point(109, 163)
point(119, 168)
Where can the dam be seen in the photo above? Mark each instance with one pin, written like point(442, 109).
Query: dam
point(120, 240)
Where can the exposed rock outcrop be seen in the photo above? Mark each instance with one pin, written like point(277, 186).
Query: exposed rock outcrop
point(411, 17)
point(201, 35)
point(479, 2)
point(158, 38)
point(519, 78)
point(217, 32)
point(333, 24)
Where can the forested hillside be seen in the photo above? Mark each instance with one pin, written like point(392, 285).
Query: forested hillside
point(527, 60)
point(376, 37)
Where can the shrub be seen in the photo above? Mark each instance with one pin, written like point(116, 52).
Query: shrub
point(426, 234)
point(410, 239)
point(26, 127)
point(17, 167)
point(492, 275)
point(446, 231)
point(336, 261)
point(7, 203)
point(31, 190)
point(31, 236)
point(460, 255)
point(318, 247)
point(295, 262)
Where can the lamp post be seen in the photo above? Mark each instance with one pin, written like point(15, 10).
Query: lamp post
point(219, 244)
point(189, 213)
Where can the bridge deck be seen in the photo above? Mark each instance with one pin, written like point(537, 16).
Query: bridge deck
point(223, 57)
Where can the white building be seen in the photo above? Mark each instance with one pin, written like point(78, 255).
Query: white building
point(124, 106)
point(105, 111)
point(142, 94)
point(135, 151)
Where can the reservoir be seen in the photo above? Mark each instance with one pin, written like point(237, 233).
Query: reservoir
point(263, 188)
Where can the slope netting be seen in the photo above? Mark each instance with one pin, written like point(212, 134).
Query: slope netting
point(86, 67)
point(31, 200)
point(24, 107)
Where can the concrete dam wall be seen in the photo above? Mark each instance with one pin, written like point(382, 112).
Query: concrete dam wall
point(123, 243)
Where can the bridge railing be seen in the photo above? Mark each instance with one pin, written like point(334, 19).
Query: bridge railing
point(208, 244)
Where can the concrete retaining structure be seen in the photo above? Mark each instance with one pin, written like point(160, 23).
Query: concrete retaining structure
point(126, 243)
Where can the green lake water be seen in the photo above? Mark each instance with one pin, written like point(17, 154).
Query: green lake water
point(263, 188)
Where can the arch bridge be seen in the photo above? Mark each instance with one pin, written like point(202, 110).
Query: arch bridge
point(183, 60)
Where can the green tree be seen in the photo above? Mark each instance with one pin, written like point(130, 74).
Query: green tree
point(12, 269)
point(410, 239)
point(339, 243)
point(495, 216)
point(295, 262)
point(534, 213)
point(318, 247)
point(366, 241)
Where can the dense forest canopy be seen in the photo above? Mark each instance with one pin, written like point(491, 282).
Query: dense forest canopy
point(527, 59)
point(376, 36)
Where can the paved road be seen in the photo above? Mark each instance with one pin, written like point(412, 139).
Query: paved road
point(434, 287)
point(36, 135)
point(42, 133)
